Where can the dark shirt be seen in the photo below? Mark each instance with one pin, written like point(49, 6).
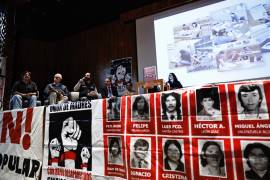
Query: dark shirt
point(154, 89)
point(165, 117)
point(86, 88)
point(251, 175)
point(104, 92)
point(175, 85)
point(180, 166)
point(61, 87)
point(21, 87)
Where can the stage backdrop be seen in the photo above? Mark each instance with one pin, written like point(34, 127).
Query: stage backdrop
point(21, 144)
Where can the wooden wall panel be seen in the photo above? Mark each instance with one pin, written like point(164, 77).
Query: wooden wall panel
point(91, 50)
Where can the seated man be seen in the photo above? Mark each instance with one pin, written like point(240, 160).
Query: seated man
point(56, 92)
point(108, 90)
point(24, 89)
point(86, 88)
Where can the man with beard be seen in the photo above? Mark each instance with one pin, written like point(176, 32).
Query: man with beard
point(171, 106)
point(86, 88)
point(24, 89)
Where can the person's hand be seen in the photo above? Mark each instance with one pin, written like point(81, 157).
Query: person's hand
point(70, 134)
point(92, 94)
point(85, 155)
point(55, 148)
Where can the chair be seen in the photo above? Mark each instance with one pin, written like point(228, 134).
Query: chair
point(143, 85)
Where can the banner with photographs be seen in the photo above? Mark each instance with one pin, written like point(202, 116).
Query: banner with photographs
point(21, 143)
point(218, 131)
point(67, 141)
point(121, 70)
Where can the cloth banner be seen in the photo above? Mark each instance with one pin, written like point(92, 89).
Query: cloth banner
point(217, 131)
point(21, 143)
point(67, 141)
point(121, 70)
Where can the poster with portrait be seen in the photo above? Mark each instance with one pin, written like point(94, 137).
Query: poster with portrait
point(172, 112)
point(141, 157)
point(140, 116)
point(115, 156)
point(68, 142)
point(252, 158)
point(249, 103)
point(209, 111)
point(113, 111)
point(212, 158)
point(21, 143)
point(121, 72)
point(173, 158)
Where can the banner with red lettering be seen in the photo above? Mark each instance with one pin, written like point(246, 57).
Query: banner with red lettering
point(67, 141)
point(218, 131)
point(21, 143)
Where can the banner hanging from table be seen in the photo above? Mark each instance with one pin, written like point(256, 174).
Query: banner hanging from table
point(67, 142)
point(210, 132)
point(21, 143)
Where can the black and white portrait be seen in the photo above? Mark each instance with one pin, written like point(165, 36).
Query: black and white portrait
point(115, 150)
point(113, 109)
point(212, 158)
point(256, 159)
point(208, 104)
point(251, 103)
point(140, 153)
point(171, 106)
point(140, 108)
point(173, 155)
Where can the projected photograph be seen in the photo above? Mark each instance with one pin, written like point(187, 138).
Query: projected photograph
point(222, 37)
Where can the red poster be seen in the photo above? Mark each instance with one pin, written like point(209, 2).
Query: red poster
point(252, 158)
point(115, 162)
point(141, 157)
point(174, 158)
point(209, 111)
point(141, 114)
point(113, 115)
point(212, 158)
point(249, 104)
point(172, 113)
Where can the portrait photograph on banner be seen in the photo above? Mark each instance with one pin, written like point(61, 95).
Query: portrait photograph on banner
point(252, 158)
point(174, 163)
point(121, 72)
point(140, 116)
point(212, 158)
point(249, 104)
point(172, 112)
point(115, 162)
point(141, 157)
point(113, 113)
point(209, 110)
